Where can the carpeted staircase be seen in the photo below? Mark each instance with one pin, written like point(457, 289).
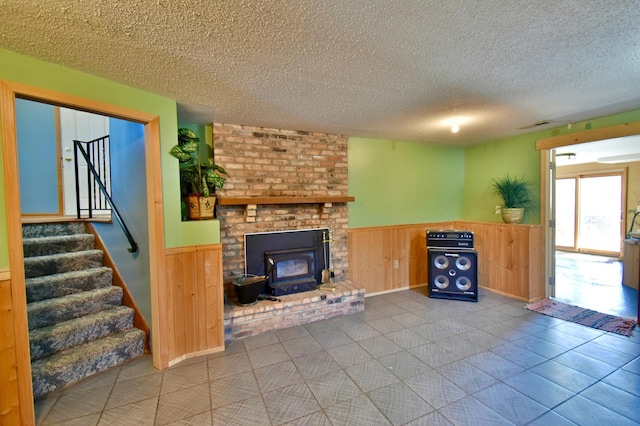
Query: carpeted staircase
point(77, 323)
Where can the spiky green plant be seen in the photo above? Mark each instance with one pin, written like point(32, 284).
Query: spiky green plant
point(514, 191)
point(196, 177)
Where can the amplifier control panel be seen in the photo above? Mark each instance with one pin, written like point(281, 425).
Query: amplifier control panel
point(450, 239)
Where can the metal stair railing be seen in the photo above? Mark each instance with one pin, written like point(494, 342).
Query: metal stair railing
point(98, 182)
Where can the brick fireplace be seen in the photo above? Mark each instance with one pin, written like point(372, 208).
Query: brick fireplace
point(303, 168)
point(265, 162)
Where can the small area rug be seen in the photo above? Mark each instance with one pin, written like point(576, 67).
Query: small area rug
point(583, 316)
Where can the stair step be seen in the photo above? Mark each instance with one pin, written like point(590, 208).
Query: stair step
point(47, 341)
point(76, 363)
point(59, 285)
point(64, 262)
point(50, 311)
point(35, 230)
point(43, 246)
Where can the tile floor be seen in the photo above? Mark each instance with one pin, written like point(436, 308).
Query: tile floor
point(407, 359)
point(594, 282)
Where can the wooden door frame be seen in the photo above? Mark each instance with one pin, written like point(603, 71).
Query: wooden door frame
point(9, 91)
point(545, 145)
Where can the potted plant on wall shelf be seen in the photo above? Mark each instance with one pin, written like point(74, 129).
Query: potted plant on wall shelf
point(516, 197)
point(198, 180)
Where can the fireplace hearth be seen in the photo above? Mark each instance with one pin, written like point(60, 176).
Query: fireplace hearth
point(293, 260)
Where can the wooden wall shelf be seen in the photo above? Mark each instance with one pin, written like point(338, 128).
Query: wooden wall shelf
point(244, 201)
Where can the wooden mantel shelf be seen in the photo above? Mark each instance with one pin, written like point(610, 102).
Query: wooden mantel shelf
point(251, 203)
point(244, 201)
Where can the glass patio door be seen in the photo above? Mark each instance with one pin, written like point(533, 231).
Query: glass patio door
point(589, 213)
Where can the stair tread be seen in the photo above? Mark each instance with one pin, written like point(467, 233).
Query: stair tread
point(57, 228)
point(78, 325)
point(66, 275)
point(62, 262)
point(78, 362)
point(65, 283)
point(69, 237)
point(45, 341)
point(44, 313)
point(81, 253)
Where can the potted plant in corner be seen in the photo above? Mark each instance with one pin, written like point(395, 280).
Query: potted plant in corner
point(516, 197)
point(198, 180)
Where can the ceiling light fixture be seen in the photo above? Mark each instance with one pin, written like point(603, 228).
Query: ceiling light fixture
point(455, 128)
point(620, 158)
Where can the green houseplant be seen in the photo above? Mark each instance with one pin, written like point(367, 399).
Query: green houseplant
point(198, 180)
point(516, 197)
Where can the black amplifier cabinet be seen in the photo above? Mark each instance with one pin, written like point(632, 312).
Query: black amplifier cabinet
point(451, 239)
point(453, 274)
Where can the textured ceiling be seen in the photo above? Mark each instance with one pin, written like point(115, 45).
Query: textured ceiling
point(384, 69)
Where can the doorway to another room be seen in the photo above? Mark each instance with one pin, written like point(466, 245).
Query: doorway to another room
point(589, 233)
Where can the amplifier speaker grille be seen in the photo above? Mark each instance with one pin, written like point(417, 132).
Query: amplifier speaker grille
point(453, 274)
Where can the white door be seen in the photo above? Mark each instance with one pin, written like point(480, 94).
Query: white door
point(84, 126)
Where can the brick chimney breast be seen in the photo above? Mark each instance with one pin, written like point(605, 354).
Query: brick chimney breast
point(267, 162)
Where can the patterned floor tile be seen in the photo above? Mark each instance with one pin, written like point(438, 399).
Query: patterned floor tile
point(538, 388)
point(348, 355)
point(301, 346)
point(360, 331)
point(356, 412)
point(183, 403)
point(290, 403)
point(370, 375)
point(247, 412)
point(564, 376)
point(181, 377)
point(584, 412)
point(267, 355)
point(333, 388)
point(315, 364)
point(137, 413)
point(495, 365)
point(617, 400)
point(230, 389)
point(471, 412)
point(137, 389)
point(228, 365)
point(404, 365)
point(385, 325)
point(435, 389)
point(277, 376)
point(379, 346)
point(406, 338)
point(467, 376)
point(399, 403)
point(511, 404)
point(316, 419)
point(433, 355)
point(291, 333)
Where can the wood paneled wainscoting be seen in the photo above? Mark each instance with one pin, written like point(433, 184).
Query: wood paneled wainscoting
point(195, 301)
point(9, 388)
point(510, 257)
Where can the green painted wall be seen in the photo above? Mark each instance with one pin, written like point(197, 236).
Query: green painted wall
point(487, 161)
point(36, 73)
point(517, 156)
point(403, 182)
